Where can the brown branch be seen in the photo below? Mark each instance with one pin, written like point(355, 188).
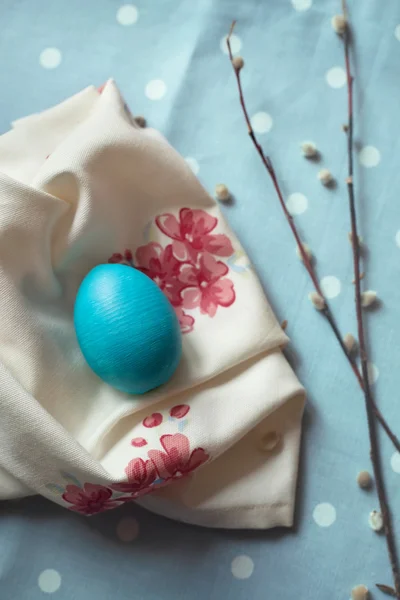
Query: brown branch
point(369, 402)
point(386, 589)
point(305, 258)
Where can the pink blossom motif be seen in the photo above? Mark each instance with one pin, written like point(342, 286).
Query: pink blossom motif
point(116, 258)
point(176, 460)
point(206, 287)
point(125, 259)
point(191, 234)
point(138, 442)
point(186, 322)
point(162, 267)
point(153, 420)
point(186, 270)
point(128, 254)
point(90, 499)
point(141, 475)
point(179, 411)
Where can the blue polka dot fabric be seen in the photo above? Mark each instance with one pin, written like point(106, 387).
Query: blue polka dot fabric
point(170, 60)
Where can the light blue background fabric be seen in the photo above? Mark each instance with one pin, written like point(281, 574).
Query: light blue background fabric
point(288, 53)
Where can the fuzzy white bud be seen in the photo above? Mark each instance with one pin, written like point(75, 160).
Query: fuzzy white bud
point(325, 177)
point(307, 251)
point(222, 193)
point(360, 592)
point(350, 342)
point(238, 63)
point(309, 149)
point(317, 300)
point(350, 236)
point(368, 298)
point(375, 520)
point(339, 24)
point(364, 480)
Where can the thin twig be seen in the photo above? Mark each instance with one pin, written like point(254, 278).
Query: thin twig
point(306, 260)
point(386, 589)
point(369, 402)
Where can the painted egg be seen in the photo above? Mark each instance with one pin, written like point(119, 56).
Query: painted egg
point(127, 329)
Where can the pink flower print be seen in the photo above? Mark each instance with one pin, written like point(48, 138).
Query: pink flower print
point(206, 287)
point(186, 270)
point(141, 474)
point(186, 322)
point(116, 258)
point(125, 258)
point(138, 442)
point(90, 500)
point(191, 234)
point(179, 411)
point(128, 255)
point(162, 267)
point(177, 460)
point(153, 420)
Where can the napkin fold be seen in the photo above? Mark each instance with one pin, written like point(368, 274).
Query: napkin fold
point(81, 184)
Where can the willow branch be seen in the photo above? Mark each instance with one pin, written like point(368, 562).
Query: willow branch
point(305, 258)
point(369, 402)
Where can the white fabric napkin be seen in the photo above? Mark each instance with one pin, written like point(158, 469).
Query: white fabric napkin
point(81, 184)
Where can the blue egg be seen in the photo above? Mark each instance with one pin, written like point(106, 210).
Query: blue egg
point(127, 329)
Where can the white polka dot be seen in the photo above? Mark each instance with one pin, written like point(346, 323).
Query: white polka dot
point(301, 5)
point(261, 122)
point(236, 44)
point(127, 529)
point(49, 581)
point(193, 164)
point(331, 286)
point(297, 203)
point(127, 14)
point(397, 238)
point(50, 58)
point(395, 462)
point(373, 373)
point(397, 32)
point(242, 567)
point(336, 77)
point(156, 89)
point(324, 514)
point(369, 156)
